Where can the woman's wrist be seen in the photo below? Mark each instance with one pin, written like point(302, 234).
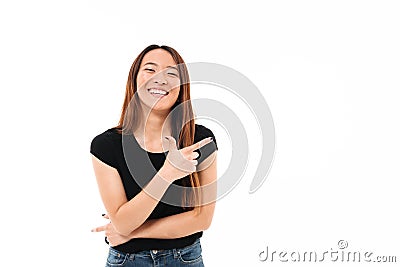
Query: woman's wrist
point(166, 174)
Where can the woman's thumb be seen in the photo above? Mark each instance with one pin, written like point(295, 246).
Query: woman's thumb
point(171, 143)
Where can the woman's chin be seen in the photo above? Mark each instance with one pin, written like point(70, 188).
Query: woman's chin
point(158, 105)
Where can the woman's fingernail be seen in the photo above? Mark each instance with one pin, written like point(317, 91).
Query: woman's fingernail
point(103, 214)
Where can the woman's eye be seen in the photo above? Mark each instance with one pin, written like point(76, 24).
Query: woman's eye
point(173, 74)
point(149, 70)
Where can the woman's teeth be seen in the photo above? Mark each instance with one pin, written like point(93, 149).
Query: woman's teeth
point(157, 92)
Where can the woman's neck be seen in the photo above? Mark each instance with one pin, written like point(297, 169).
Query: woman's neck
point(152, 123)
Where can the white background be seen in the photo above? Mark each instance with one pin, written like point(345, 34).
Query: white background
point(329, 71)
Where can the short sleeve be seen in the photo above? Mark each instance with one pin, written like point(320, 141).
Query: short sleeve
point(206, 150)
point(101, 147)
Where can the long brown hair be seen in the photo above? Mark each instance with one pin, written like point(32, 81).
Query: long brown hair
point(181, 131)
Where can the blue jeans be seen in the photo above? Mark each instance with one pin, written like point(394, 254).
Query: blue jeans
point(186, 256)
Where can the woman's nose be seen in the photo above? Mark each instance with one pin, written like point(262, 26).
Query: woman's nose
point(160, 79)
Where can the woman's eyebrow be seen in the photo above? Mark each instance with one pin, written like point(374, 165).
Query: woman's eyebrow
point(152, 63)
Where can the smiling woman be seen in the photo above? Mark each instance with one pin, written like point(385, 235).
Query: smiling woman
point(158, 77)
point(145, 229)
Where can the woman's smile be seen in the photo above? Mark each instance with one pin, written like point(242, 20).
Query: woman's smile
point(158, 92)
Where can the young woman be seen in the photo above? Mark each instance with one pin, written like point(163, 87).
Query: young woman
point(154, 156)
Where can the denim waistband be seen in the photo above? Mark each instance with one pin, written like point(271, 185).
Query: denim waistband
point(154, 253)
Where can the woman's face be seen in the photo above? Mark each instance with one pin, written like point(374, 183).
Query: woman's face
point(158, 80)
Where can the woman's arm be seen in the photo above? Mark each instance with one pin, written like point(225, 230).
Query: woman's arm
point(126, 216)
point(178, 225)
point(185, 223)
point(119, 209)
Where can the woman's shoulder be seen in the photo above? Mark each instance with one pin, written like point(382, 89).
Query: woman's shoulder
point(103, 146)
point(107, 135)
point(202, 130)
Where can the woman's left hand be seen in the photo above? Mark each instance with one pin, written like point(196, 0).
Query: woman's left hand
point(113, 237)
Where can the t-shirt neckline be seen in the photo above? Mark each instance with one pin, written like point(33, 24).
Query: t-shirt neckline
point(140, 147)
point(149, 152)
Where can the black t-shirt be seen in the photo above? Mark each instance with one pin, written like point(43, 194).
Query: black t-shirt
point(109, 147)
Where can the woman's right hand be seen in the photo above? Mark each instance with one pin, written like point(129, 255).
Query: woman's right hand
point(180, 163)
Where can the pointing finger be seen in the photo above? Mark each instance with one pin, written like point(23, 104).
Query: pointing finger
point(199, 144)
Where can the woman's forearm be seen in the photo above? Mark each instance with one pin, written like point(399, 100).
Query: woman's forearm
point(175, 226)
point(186, 223)
point(141, 205)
